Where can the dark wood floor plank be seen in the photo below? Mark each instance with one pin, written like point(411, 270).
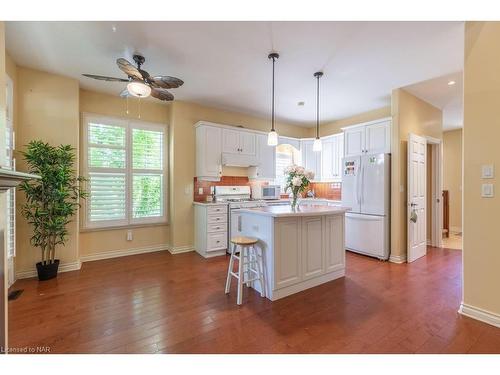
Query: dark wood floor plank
point(163, 303)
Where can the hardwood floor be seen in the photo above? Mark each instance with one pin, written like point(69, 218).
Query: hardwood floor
point(163, 303)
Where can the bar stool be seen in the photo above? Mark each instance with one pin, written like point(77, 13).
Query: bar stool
point(250, 261)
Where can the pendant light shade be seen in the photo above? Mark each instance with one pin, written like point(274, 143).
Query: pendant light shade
point(272, 137)
point(317, 146)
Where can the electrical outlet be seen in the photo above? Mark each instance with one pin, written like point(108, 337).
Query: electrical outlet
point(129, 235)
point(200, 191)
point(487, 171)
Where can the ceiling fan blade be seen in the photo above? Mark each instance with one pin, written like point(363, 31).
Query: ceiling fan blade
point(166, 82)
point(124, 93)
point(129, 69)
point(161, 94)
point(104, 78)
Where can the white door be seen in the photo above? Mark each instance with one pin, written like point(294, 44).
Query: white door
point(417, 161)
point(230, 141)
point(354, 141)
point(378, 138)
point(248, 143)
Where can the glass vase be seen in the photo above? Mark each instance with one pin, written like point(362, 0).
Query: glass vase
point(295, 199)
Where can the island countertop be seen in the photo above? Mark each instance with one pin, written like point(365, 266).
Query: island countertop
point(305, 210)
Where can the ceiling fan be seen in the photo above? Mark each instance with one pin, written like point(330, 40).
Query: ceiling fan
point(140, 83)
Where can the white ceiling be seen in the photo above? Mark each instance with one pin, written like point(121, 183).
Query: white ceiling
point(225, 65)
point(448, 98)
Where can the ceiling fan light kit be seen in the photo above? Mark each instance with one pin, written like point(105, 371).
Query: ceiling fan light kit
point(138, 89)
point(317, 146)
point(272, 137)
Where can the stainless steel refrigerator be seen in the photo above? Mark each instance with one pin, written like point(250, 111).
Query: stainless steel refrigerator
point(366, 184)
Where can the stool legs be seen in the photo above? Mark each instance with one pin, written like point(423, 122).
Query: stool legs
point(230, 269)
point(241, 274)
point(250, 261)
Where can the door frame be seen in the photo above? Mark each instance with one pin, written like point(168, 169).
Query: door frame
point(436, 191)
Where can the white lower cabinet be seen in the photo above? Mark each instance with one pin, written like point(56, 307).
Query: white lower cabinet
point(210, 225)
point(306, 248)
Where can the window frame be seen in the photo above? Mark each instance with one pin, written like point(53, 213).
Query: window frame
point(129, 125)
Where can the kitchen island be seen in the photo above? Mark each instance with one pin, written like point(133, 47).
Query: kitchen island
point(302, 248)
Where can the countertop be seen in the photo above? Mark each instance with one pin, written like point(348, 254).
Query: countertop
point(286, 210)
point(210, 203)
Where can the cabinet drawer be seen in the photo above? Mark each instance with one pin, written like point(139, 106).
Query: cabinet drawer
point(214, 219)
point(216, 241)
point(221, 227)
point(217, 210)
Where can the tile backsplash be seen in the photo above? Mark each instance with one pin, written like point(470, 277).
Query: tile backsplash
point(224, 181)
point(327, 190)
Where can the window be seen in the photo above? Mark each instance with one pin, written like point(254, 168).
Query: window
point(125, 166)
point(285, 156)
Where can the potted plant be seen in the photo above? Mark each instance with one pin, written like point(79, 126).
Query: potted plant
point(52, 201)
point(297, 180)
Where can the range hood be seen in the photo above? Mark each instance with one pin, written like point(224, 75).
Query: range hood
point(238, 160)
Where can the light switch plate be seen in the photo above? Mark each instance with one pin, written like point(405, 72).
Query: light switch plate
point(487, 191)
point(487, 171)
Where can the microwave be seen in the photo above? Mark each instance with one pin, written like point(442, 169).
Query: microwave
point(266, 192)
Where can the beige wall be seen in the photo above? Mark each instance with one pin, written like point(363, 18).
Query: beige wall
point(47, 109)
point(409, 115)
point(429, 220)
point(182, 159)
point(481, 132)
point(452, 175)
point(3, 206)
point(95, 242)
point(336, 126)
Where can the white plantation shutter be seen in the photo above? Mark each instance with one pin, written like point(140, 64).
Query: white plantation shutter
point(125, 168)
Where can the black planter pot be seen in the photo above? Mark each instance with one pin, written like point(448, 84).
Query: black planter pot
point(47, 271)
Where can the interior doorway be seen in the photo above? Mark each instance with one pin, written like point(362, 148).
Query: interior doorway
point(425, 214)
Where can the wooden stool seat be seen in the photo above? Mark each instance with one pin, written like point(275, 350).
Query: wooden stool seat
point(242, 240)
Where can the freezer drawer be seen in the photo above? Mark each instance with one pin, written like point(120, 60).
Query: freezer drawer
point(367, 234)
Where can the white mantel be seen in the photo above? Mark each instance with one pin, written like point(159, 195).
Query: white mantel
point(9, 179)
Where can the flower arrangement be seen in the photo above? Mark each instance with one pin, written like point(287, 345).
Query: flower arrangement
point(297, 180)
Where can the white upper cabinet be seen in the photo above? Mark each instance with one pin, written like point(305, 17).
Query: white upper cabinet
point(208, 152)
point(266, 168)
point(372, 138)
point(354, 141)
point(378, 138)
point(331, 157)
point(238, 142)
point(311, 160)
point(230, 141)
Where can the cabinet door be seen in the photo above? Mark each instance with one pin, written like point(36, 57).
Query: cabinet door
point(378, 138)
point(267, 159)
point(311, 160)
point(334, 242)
point(287, 251)
point(327, 159)
point(231, 141)
point(354, 141)
point(208, 151)
point(248, 143)
point(312, 247)
point(337, 158)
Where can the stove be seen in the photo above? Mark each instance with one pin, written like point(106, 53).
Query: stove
point(237, 197)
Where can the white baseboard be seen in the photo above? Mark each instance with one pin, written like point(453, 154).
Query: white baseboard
point(455, 229)
point(122, 253)
point(480, 314)
point(64, 267)
point(180, 249)
point(397, 259)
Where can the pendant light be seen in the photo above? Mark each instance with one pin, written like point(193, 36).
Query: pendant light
point(317, 141)
point(272, 137)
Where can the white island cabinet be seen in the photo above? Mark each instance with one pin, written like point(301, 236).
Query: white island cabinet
point(302, 248)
